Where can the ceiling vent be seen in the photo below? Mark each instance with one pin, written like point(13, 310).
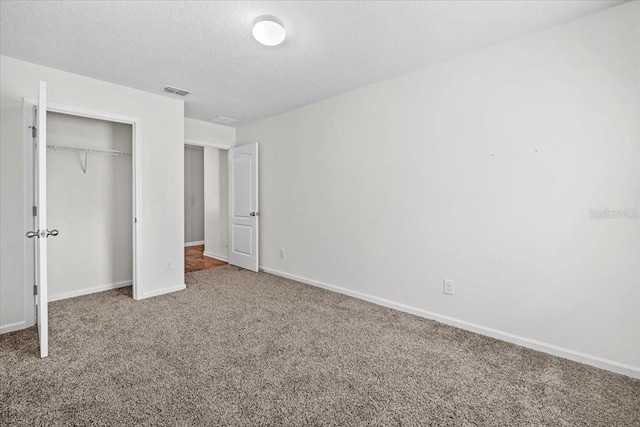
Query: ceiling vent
point(175, 91)
point(222, 120)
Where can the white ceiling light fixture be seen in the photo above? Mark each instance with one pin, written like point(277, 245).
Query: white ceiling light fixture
point(268, 31)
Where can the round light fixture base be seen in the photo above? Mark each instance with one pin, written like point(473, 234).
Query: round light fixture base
point(268, 31)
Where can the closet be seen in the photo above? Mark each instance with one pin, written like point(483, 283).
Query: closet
point(89, 192)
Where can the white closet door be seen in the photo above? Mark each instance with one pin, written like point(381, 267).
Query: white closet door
point(40, 155)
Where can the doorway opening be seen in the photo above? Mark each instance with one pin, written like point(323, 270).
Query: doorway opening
point(205, 179)
point(231, 214)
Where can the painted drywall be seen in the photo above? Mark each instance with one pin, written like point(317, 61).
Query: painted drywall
point(162, 175)
point(483, 170)
point(216, 242)
point(193, 194)
point(92, 211)
point(211, 133)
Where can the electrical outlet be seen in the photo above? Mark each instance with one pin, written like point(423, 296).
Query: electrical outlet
point(448, 287)
point(282, 253)
point(168, 265)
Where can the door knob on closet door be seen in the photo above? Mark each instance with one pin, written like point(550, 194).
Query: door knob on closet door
point(39, 234)
point(254, 213)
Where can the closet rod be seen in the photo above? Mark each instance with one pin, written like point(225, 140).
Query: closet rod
point(87, 150)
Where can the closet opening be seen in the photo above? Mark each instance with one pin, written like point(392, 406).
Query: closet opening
point(92, 191)
point(89, 197)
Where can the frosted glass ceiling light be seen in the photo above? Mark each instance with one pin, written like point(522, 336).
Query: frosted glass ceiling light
point(268, 31)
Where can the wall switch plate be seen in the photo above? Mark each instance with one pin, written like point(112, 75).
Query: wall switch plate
point(282, 253)
point(168, 265)
point(448, 287)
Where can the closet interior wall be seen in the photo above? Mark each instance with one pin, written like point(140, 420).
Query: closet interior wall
point(90, 203)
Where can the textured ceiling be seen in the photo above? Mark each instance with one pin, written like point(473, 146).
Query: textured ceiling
point(207, 47)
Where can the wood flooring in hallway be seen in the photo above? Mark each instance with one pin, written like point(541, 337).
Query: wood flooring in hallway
point(194, 260)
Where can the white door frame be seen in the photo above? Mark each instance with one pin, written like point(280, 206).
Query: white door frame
point(208, 144)
point(218, 145)
point(29, 104)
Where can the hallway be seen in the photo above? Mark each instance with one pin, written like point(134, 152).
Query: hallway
point(194, 260)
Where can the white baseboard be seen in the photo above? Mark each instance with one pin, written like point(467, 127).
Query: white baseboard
point(163, 291)
point(72, 294)
point(12, 327)
point(576, 356)
point(199, 242)
point(215, 256)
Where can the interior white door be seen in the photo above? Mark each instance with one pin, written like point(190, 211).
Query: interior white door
point(40, 180)
point(243, 206)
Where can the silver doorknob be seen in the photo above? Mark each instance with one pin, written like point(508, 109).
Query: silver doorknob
point(254, 213)
point(39, 234)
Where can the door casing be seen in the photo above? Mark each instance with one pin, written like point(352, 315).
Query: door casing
point(29, 106)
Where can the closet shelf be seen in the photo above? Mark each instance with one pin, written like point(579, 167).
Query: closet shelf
point(86, 152)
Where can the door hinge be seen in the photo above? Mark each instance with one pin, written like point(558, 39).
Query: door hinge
point(35, 211)
point(35, 289)
point(34, 131)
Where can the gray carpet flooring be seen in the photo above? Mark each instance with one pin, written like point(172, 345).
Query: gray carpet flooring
point(238, 348)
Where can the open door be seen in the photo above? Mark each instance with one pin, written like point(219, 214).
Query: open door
point(243, 206)
point(41, 232)
point(40, 152)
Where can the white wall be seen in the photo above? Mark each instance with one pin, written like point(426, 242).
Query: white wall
point(92, 211)
point(162, 172)
point(215, 181)
point(482, 170)
point(193, 194)
point(212, 133)
point(216, 241)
